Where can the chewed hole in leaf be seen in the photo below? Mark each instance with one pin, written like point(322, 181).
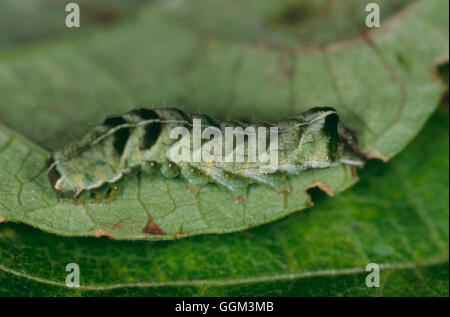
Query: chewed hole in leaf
point(317, 195)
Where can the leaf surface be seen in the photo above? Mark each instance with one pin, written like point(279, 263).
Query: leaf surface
point(397, 217)
point(381, 84)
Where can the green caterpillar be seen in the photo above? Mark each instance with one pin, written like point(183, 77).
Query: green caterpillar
point(141, 139)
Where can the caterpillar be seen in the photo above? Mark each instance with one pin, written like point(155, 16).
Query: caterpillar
point(141, 140)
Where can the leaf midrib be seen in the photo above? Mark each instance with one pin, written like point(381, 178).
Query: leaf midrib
point(232, 282)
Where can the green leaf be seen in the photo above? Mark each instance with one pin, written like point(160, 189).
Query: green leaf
point(381, 83)
point(397, 216)
point(43, 20)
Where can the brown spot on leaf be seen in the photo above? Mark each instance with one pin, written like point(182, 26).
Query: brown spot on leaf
point(98, 198)
point(100, 233)
point(118, 225)
point(285, 191)
point(79, 201)
point(192, 190)
point(353, 173)
point(152, 228)
point(180, 235)
point(2, 219)
point(239, 199)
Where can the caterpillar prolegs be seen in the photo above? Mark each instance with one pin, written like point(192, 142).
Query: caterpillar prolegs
point(144, 139)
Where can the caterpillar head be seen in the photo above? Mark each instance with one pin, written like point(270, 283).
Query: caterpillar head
point(319, 138)
point(326, 140)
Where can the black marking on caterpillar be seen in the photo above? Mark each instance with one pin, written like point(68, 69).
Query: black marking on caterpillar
point(139, 139)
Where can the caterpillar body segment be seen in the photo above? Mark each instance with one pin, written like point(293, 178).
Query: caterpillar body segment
point(141, 139)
